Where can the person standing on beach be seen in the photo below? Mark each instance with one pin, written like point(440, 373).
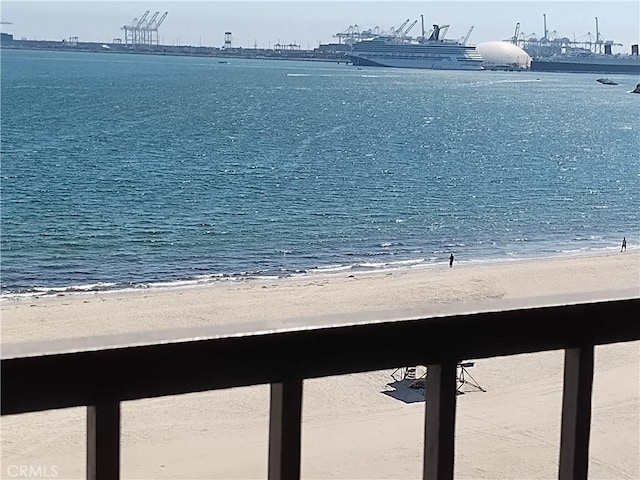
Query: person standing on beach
point(624, 244)
point(451, 261)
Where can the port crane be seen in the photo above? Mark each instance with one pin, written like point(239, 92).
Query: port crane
point(413, 24)
point(353, 34)
point(153, 19)
point(397, 32)
point(466, 38)
point(402, 36)
point(151, 27)
point(516, 32)
point(132, 32)
point(144, 31)
point(128, 31)
point(349, 36)
point(156, 26)
point(137, 34)
point(553, 44)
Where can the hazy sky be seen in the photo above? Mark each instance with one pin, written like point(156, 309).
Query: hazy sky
point(307, 23)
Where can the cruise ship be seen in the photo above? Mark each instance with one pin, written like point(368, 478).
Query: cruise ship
point(432, 52)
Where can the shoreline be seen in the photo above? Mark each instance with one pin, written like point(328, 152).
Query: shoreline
point(329, 271)
point(50, 317)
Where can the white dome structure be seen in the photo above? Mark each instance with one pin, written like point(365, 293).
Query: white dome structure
point(503, 56)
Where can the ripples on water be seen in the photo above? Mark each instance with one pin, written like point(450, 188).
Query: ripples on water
point(125, 171)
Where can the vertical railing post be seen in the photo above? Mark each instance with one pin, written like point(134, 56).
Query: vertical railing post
point(103, 441)
point(576, 413)
point(440, 420)
point(285, 417)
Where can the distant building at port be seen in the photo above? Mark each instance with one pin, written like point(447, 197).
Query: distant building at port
point(6, 38)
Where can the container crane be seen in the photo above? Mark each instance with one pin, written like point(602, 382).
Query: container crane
point(516, 32)
point(157, 26)
point(136, 30)
point(409, 28)
point(464, 41)
point(353, 34)
point(142, 19)
point(153, 19)
point(146, 29)
point(398, 31)
point(128, 31)
point(349, 36)
point(164, 15)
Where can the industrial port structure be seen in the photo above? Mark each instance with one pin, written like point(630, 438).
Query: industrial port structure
point(551, 43)
point(353, 34)
point(141, 36)
point(143, 31)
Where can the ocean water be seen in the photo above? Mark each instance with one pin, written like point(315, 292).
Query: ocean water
point(125, 171)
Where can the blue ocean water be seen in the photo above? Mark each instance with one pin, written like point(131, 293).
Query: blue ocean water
point(128, 170)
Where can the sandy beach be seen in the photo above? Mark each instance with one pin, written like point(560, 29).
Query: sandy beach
point(354, 426)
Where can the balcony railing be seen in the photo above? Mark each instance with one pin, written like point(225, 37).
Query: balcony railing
point(101, 372)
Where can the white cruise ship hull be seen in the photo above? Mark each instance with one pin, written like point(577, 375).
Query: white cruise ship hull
point(441, 63)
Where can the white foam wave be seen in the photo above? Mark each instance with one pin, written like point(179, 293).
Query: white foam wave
point(396, 264)
point(330, 268)
point(372, 265)
point(91, 287)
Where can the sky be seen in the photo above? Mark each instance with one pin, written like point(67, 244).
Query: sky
point(308, 23)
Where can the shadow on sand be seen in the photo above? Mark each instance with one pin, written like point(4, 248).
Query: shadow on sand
point(400, 390)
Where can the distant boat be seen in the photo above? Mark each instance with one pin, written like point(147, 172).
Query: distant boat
point(606, 81)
